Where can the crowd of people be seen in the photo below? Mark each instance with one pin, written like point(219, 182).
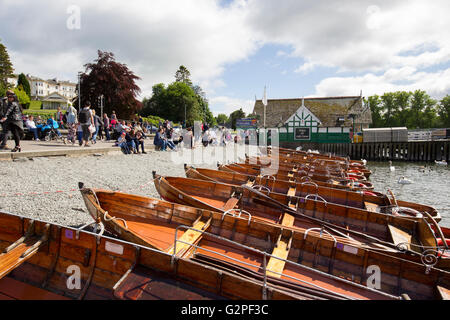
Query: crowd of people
point(86, 128)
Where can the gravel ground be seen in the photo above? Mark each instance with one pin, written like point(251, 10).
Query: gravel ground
point(127, 173)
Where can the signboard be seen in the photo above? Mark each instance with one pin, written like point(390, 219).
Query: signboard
point(246, 123)
point(302, 134)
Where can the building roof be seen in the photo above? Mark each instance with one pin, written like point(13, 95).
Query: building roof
point(55, 97)
point(327, 109)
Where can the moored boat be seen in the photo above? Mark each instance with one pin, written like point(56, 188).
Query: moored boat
point(283, 257)
point(366, 200)
point(397, 236)
point(42, 260)
point(299, 176)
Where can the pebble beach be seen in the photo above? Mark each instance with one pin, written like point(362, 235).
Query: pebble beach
point(46, 188)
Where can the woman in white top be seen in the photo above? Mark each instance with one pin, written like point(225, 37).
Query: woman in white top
point(32, 127)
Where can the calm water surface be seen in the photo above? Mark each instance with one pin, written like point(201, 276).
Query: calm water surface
point(431, 187)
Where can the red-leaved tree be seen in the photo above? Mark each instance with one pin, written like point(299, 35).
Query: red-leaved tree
point(115, 82)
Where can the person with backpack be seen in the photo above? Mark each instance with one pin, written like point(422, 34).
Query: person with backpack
point(86, 120)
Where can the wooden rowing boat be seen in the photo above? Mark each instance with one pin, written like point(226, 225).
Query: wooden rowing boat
point(301, 176)
point(234, 244)
point(294, 167)
point(324, 251)
point(290, 152)
point(41, 260)
point(397, 236)
point(366, 200)
point(333, 166)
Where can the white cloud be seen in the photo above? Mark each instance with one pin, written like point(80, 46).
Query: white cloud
point(436, 84)
point(383, 45)
point(227, 105)
point(305, 68)
point(153, 37)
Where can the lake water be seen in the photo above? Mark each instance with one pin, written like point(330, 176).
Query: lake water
point(431, 187)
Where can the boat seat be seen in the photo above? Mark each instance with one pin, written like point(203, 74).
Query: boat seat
point(190, 236)
point(275, 266)
point(444, 293)
point(146, 284)
point(18, 253)
point(372, 207)
point(230, 204)
point(399, 236)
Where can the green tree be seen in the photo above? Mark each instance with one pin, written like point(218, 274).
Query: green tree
point(2, 89)
point(115, 82)
point(24, 99)
point(238, 114)
point(390, 108)
point(402, 110)
point(376, 107)
point(23, 81)
point(420, 101)
point(6, 68)
point(222, 119)
point(443, 111)
point(183, 75)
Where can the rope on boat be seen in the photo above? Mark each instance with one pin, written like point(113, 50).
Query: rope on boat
point(114, 218)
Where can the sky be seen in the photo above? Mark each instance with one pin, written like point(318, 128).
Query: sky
point(236, 48)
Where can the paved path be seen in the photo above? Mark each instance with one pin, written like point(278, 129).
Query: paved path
point(31, 149)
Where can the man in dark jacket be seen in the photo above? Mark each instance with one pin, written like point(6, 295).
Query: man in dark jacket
point(4, 135)
point(13, 119)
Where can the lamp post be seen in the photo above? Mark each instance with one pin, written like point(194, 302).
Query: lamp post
point(101, 105)
point(79, 92)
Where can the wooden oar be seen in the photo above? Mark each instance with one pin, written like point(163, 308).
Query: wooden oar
point(325, 224)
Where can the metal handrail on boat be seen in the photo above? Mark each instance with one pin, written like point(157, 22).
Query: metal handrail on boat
point(260, 187)
point(264, 268)
point(322, 230)
point(229, 212)
point(317, 198)
point(269, 177)
point(312, 184)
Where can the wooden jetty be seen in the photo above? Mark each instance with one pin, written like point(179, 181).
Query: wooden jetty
point(417, 151)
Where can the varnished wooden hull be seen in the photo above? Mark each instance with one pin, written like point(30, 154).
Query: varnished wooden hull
point(392, 265)
point(217, 242)
point(294, 168)
point(290, 152)
point(332, 182)
point(371, 201)
point(215, 196)
point(321, 166)
point(112, 269)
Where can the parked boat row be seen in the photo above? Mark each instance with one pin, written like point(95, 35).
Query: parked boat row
point(236, 233)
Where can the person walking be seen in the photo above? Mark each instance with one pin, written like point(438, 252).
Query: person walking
point(86, 120)
point(71, 124)
point(13, 119)
point(106, 126)
point(97, 123)
point(59, 117)
point(4, 135)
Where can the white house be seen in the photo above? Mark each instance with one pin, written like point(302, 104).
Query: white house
point(42, 88)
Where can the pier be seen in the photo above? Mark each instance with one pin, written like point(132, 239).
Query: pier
point(420, 151)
